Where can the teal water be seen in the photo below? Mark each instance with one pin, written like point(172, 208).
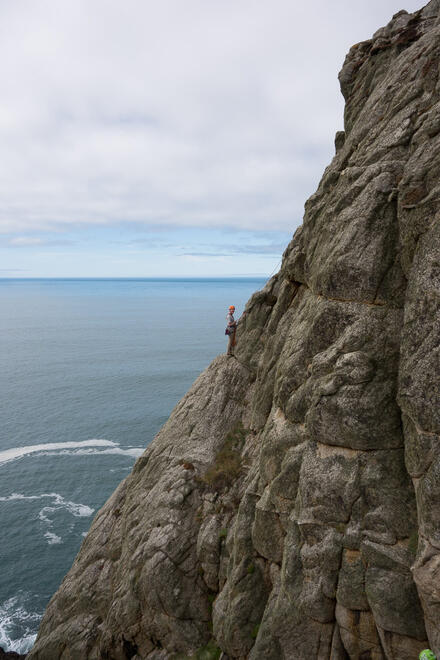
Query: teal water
point(90, 370)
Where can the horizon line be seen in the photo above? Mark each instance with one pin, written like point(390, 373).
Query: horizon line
point(150, 277)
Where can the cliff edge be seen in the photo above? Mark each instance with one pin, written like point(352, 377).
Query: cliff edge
point(290, 506)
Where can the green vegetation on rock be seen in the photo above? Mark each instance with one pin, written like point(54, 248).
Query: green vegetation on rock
point(227, 465)
point(413, 542)
point(209, 652)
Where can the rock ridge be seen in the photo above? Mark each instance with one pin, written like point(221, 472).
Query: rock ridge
point(290, 506)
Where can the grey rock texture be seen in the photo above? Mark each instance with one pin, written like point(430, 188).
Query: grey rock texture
point(290, 506)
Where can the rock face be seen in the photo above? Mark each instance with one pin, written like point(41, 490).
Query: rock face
point(10, 655)
point(290, 506)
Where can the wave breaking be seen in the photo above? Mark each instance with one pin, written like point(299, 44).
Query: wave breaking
point(18, 627)
point(81, 448)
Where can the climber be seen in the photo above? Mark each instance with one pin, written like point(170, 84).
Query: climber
point(231, 329)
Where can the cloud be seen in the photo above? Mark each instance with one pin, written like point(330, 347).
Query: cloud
point(23, 241)
point(195, 113)
point(33, 241)
point(227, 250)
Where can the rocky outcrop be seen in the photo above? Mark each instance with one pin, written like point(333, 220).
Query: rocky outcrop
point(10, 655)
point(290, 506)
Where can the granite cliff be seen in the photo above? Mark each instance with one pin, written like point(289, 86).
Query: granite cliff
point(290, 506)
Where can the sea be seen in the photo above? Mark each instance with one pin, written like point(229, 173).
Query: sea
point(90, 369)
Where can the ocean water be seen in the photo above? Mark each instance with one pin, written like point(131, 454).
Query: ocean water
point(89, 372)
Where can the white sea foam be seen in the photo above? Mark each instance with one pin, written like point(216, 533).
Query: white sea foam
point(82, 448)
point(52, 539)
point(58, 504)
point(19, 452)
point(115, 451)
point(77, 510)
point(13, 617)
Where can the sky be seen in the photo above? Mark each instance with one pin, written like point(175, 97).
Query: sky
point(169, 138)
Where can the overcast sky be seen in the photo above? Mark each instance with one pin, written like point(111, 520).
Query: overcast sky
point(167, 138)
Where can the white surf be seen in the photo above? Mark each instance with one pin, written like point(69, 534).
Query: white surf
point(87, 447)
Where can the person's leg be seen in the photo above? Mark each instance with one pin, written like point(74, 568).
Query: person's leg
point(230, 344)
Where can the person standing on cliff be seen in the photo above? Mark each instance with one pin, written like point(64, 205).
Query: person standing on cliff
point(231, 329)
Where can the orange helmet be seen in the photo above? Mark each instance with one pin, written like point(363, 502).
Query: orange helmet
point(231, 307)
